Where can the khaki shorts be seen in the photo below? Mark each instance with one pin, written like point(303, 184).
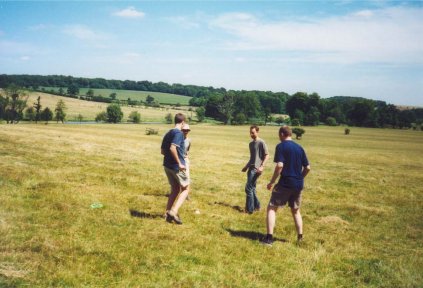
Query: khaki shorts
point(282, 195)
point(177, 177)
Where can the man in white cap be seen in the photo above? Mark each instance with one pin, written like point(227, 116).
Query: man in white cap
point(187, 142)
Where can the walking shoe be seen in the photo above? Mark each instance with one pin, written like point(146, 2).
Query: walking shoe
point(300, 240)
point(268, 241)
point(175, 218)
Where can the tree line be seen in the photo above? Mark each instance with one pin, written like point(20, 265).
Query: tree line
point(238, 107)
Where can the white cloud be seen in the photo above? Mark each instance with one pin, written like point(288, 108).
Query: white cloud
point(183, 21)
point(25, 58)
point(37, 27)
point(364, 13)
point(83, 33)
point(391, 35)
point(129, 12)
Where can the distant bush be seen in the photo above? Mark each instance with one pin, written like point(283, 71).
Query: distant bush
point(280, 120)
point(295, 122)
point(347, 131)
point(330, 121)
point(135, 117)
point(114, 113)
point(151, 131)
point(201, 113)
point(101, 117)
point(168, 118)
point(298, 132)
point(240, 118)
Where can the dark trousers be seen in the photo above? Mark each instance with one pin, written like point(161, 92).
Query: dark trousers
point(252, 201)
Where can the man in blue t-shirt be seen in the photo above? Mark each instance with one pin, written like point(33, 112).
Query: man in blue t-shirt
point(173, 150)
point(292, 165)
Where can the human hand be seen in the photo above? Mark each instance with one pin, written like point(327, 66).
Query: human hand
point(269, 186)
point(260, 170)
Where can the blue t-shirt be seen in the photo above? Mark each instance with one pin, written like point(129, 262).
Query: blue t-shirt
point(294, 159)
point(176, 137)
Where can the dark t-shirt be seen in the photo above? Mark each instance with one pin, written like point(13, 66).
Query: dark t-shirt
point(176, 137)
point(294, 159)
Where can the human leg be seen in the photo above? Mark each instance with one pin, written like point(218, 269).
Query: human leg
point(250, 191)
point(181, 198)
point(174, 191)
point(271, 218)
point(298, 220)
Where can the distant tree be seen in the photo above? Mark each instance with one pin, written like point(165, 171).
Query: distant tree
point(101, 117)
point(30, 114)
point(347, 131)
point(61, 91)
point(80, 117)
point(149, 100)
point(60, 111)
point(90, 94)
point(113, 96)
point(226, 107)
point(135, 117)
point(73, 90)
point(201, 113)
point(168, 118)
point(37, 106)
point(114, 113)
point(46, 115)
point(15, 103)
point(362, 113)
point(298, 132)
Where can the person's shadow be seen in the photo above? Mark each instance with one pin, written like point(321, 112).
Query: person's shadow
point(235, 207)
point(140, 214)
point(252, 235)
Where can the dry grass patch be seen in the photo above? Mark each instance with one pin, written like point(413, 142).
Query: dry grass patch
point(362, 210)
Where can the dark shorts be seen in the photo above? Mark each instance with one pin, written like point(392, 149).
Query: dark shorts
point(282, 195)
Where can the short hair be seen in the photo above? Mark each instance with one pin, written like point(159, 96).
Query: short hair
point(285, 131)
point(179, 118)
point(254, 127)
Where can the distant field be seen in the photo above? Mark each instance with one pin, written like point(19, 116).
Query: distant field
point(165, 98)
point(89, 109)
point(362, 210)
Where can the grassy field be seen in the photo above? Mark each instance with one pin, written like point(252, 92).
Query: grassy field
point(362, 210)
point(89, 109)
point(136, 95)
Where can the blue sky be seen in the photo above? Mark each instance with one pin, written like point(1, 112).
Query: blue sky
point(371, 49)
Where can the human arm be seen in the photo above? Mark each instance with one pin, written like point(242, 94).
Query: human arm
point(305, 171)
point(174, 154)
point(276, 173)
point(245, 168)
point(261, 168)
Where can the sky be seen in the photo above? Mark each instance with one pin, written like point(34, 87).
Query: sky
point(370, 49)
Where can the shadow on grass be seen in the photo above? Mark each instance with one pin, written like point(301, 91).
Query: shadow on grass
point(235, 207)
point(256, 236)
point(140, 214)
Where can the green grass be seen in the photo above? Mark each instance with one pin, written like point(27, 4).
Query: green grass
point(362, 210)
point(165, 98)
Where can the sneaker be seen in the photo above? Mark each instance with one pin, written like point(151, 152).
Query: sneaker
point(173, 218)
point(267, 241)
